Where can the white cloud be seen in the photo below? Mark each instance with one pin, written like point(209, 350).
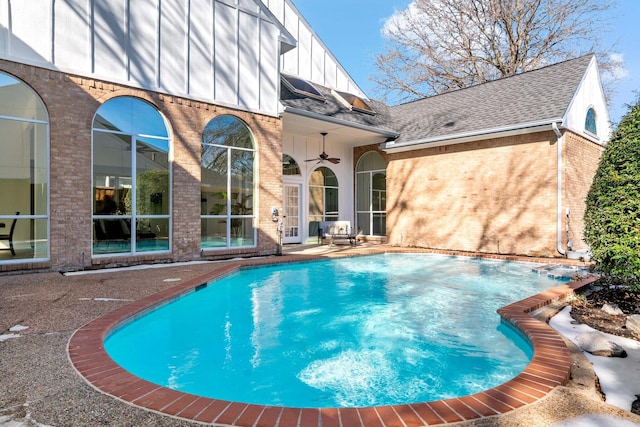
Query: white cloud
point(618, 70)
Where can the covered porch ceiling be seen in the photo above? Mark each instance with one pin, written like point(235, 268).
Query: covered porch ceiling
point(338, 131)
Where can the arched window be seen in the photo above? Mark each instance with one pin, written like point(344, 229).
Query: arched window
point(590, 122)
point(289, 166)
point(323, 195)
point(131, 178)
point(371, 195)
point(227, 184)
point(24, 173)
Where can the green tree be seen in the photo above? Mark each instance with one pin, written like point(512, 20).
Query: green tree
point(612, 218)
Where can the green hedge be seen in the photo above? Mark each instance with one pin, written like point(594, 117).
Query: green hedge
point(612, 218)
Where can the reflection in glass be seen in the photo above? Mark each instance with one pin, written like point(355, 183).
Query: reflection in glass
point(131, 178)
point(24, 172)
point(289, 166)
point(227, 184)
point(323, 195)
point(590, 122)
point(130, 116)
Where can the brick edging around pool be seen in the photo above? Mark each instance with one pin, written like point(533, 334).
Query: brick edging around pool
point(549, 367)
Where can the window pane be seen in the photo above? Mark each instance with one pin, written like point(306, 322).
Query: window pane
point(19, 100)
point(331, 201)
point(242, 232)
point(29, 238)
point(227, 130)
point(130, 116)
point(111, 235)
point(213, 182)
point(152, 234)
point(241, 182)
point(379, 224)
point(363, 201)
point(23, 167)
point(371, 161)
point(214, 232)
point(152, 186)
point(364, 224)
point(111, 174)
point(316, 204)
point(289, 166)
point(379, 192)
point(590, 122)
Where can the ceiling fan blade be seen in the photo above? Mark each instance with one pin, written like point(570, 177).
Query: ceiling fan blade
point(334, 160)
point(313, 160)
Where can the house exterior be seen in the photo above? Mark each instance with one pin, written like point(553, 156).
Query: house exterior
point(151, 131)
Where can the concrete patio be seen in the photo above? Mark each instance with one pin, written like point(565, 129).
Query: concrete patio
point(39, 386)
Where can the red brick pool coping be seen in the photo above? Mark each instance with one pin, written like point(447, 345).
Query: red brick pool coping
point(549, 367)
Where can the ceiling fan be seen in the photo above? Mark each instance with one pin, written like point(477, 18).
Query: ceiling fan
point(324, 156)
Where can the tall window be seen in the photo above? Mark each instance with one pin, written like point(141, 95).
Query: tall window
point(590, 122)
point(24, 172)
point(131, 178)
point(323, 195)
point(227, 184)
point(371, 195)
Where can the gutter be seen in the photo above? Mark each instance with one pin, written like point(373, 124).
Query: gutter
point(559, 221)
point(342, 122)
point(476, 135)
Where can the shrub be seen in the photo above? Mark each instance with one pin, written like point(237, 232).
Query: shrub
point(612, 217)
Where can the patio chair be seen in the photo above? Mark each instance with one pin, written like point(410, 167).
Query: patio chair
point(9, 236)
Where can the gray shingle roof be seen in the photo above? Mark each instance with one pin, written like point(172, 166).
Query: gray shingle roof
point(332, 108)
point(540, 95)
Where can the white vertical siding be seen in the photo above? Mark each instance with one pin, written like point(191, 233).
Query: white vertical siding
point(269, 88)
point(201, 49)
point(311, 59)
point(73, 30)
point(24, 40)
point(173, 46)
point(223, 51)
point(109, 39)
point(249, 84)
point(225, 48)
point(143, 42)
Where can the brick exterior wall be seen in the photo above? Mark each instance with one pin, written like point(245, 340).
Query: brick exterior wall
point(581, 158)
point(494, 196)
point(71, 102)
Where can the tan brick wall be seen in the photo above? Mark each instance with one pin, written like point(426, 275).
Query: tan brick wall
point(495, 196)
point(581, 158)
point(72, 101)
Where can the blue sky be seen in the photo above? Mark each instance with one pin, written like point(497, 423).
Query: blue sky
point(351, 30)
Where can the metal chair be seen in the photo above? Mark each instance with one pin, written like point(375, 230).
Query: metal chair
point(9, 236)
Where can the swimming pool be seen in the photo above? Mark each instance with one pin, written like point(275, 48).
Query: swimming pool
point(259, 336)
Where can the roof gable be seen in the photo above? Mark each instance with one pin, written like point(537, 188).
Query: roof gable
point(524, 100)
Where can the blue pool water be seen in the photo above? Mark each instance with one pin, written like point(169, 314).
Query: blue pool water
point(363, 331)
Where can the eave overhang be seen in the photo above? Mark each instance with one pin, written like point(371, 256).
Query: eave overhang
point(461, 138)
point(342, 122)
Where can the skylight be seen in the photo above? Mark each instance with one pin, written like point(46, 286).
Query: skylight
point(301, 87)
point(355, 102)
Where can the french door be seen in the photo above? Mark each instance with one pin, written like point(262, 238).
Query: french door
point(291, 213)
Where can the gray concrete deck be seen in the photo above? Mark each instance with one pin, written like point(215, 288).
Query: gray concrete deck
point(39, 386)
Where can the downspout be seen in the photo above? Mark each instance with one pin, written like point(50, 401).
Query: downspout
point(559, 217)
